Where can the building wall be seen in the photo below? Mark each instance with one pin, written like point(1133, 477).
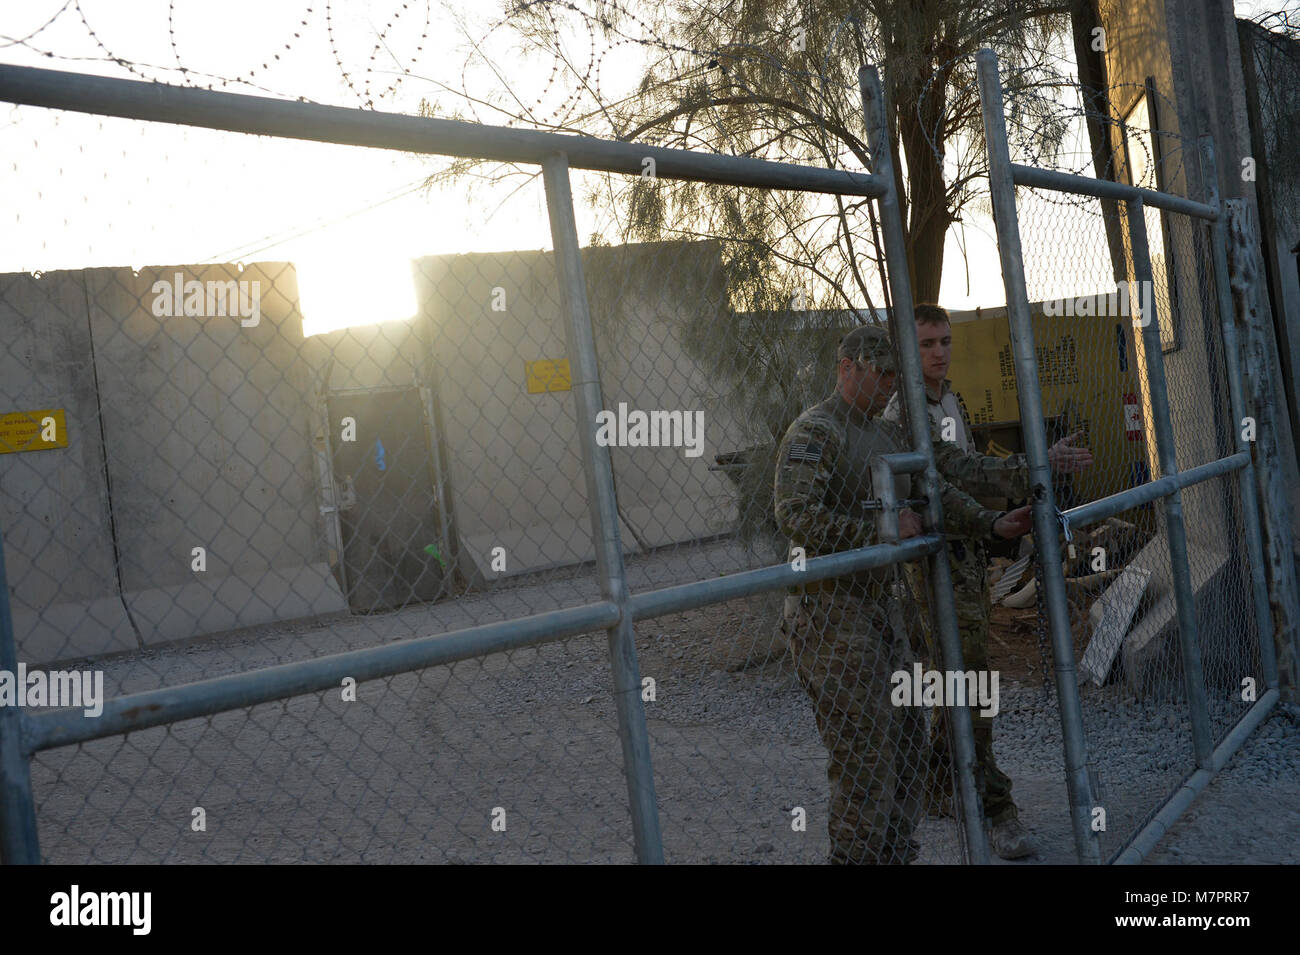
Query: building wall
point(1189, 49)
point(1083, 375)
point(1163, 40)
point(1272, 68)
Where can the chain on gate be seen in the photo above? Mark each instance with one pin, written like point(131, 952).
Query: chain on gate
point(1040, 605)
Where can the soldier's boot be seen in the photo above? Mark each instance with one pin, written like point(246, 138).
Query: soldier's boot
point(1011, 840)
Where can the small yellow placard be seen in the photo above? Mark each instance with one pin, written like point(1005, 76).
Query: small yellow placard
point(548, 374)
point(33, 430)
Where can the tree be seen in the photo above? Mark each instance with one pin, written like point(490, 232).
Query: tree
point(777, 79)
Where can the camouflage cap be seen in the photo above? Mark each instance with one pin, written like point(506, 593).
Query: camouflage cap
point(871, 344)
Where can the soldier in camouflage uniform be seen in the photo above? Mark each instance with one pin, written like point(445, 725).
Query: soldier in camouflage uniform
point(847, 635)
point(969, 563)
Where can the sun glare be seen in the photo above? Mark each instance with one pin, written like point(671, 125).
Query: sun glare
point(336, 293)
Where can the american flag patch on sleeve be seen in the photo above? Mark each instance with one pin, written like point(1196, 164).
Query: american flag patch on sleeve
point(807, 451)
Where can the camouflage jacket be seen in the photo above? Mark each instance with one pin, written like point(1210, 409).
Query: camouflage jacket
point(1008, 477)
point(823, 478)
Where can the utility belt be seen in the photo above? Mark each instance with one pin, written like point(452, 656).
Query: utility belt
point(870, 599)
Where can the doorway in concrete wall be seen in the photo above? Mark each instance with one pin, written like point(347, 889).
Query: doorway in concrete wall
point(385, 474)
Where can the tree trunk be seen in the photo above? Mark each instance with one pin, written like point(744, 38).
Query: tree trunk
point(929, 218)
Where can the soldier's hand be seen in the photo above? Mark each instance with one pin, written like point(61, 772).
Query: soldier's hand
point(1064, 458)
point(909, 524)
point(1014, 524)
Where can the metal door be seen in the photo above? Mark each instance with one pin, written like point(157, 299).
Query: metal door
point(394, 538)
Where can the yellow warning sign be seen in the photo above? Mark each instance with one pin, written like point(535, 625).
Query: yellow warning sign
point(33, 430)
point(548, 374)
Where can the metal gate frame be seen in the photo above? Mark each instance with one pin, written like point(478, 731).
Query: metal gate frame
point(23, 733)
point(1274, 585)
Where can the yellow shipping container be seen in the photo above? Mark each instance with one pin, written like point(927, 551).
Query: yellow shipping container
point(1088, 378)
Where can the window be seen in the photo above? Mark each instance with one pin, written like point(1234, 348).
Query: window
point(1142, 167)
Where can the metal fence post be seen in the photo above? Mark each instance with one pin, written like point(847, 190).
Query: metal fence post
point(1189, 640)
point(1232, 362)
point(909, 356)
point(1046, 525)
point(602, 505)
point(1279, 563)
point(18, 841)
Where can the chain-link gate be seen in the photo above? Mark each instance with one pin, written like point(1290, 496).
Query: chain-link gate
point(1155, 579)
point(339, 587)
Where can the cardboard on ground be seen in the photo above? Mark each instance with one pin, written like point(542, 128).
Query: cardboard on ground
point(1111, 614)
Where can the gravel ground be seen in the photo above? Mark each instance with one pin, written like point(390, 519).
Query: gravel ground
point(422, 765)
point(1250, 812)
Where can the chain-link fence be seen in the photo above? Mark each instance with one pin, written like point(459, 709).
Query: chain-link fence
point(345, 588)
point(1156, 605)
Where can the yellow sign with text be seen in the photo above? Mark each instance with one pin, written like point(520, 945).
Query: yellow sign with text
point(548, 374)
point(1087, 371)
point(33, 430)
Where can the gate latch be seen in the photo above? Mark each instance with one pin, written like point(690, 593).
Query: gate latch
point(347, 498)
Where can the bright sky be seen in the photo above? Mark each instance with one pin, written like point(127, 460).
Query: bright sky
point(82, 191)
point(85, 191)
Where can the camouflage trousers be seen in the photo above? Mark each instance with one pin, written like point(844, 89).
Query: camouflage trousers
point(969, 565)
point(845, 649)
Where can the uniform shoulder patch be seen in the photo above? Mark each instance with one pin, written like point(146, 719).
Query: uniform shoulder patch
point(809, 452)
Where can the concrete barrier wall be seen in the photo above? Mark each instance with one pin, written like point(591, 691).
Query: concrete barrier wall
point(513, 457)
point(385, 355)
point(206, 442)
point(54, 512)
point(207, 424)
point(641, 297)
